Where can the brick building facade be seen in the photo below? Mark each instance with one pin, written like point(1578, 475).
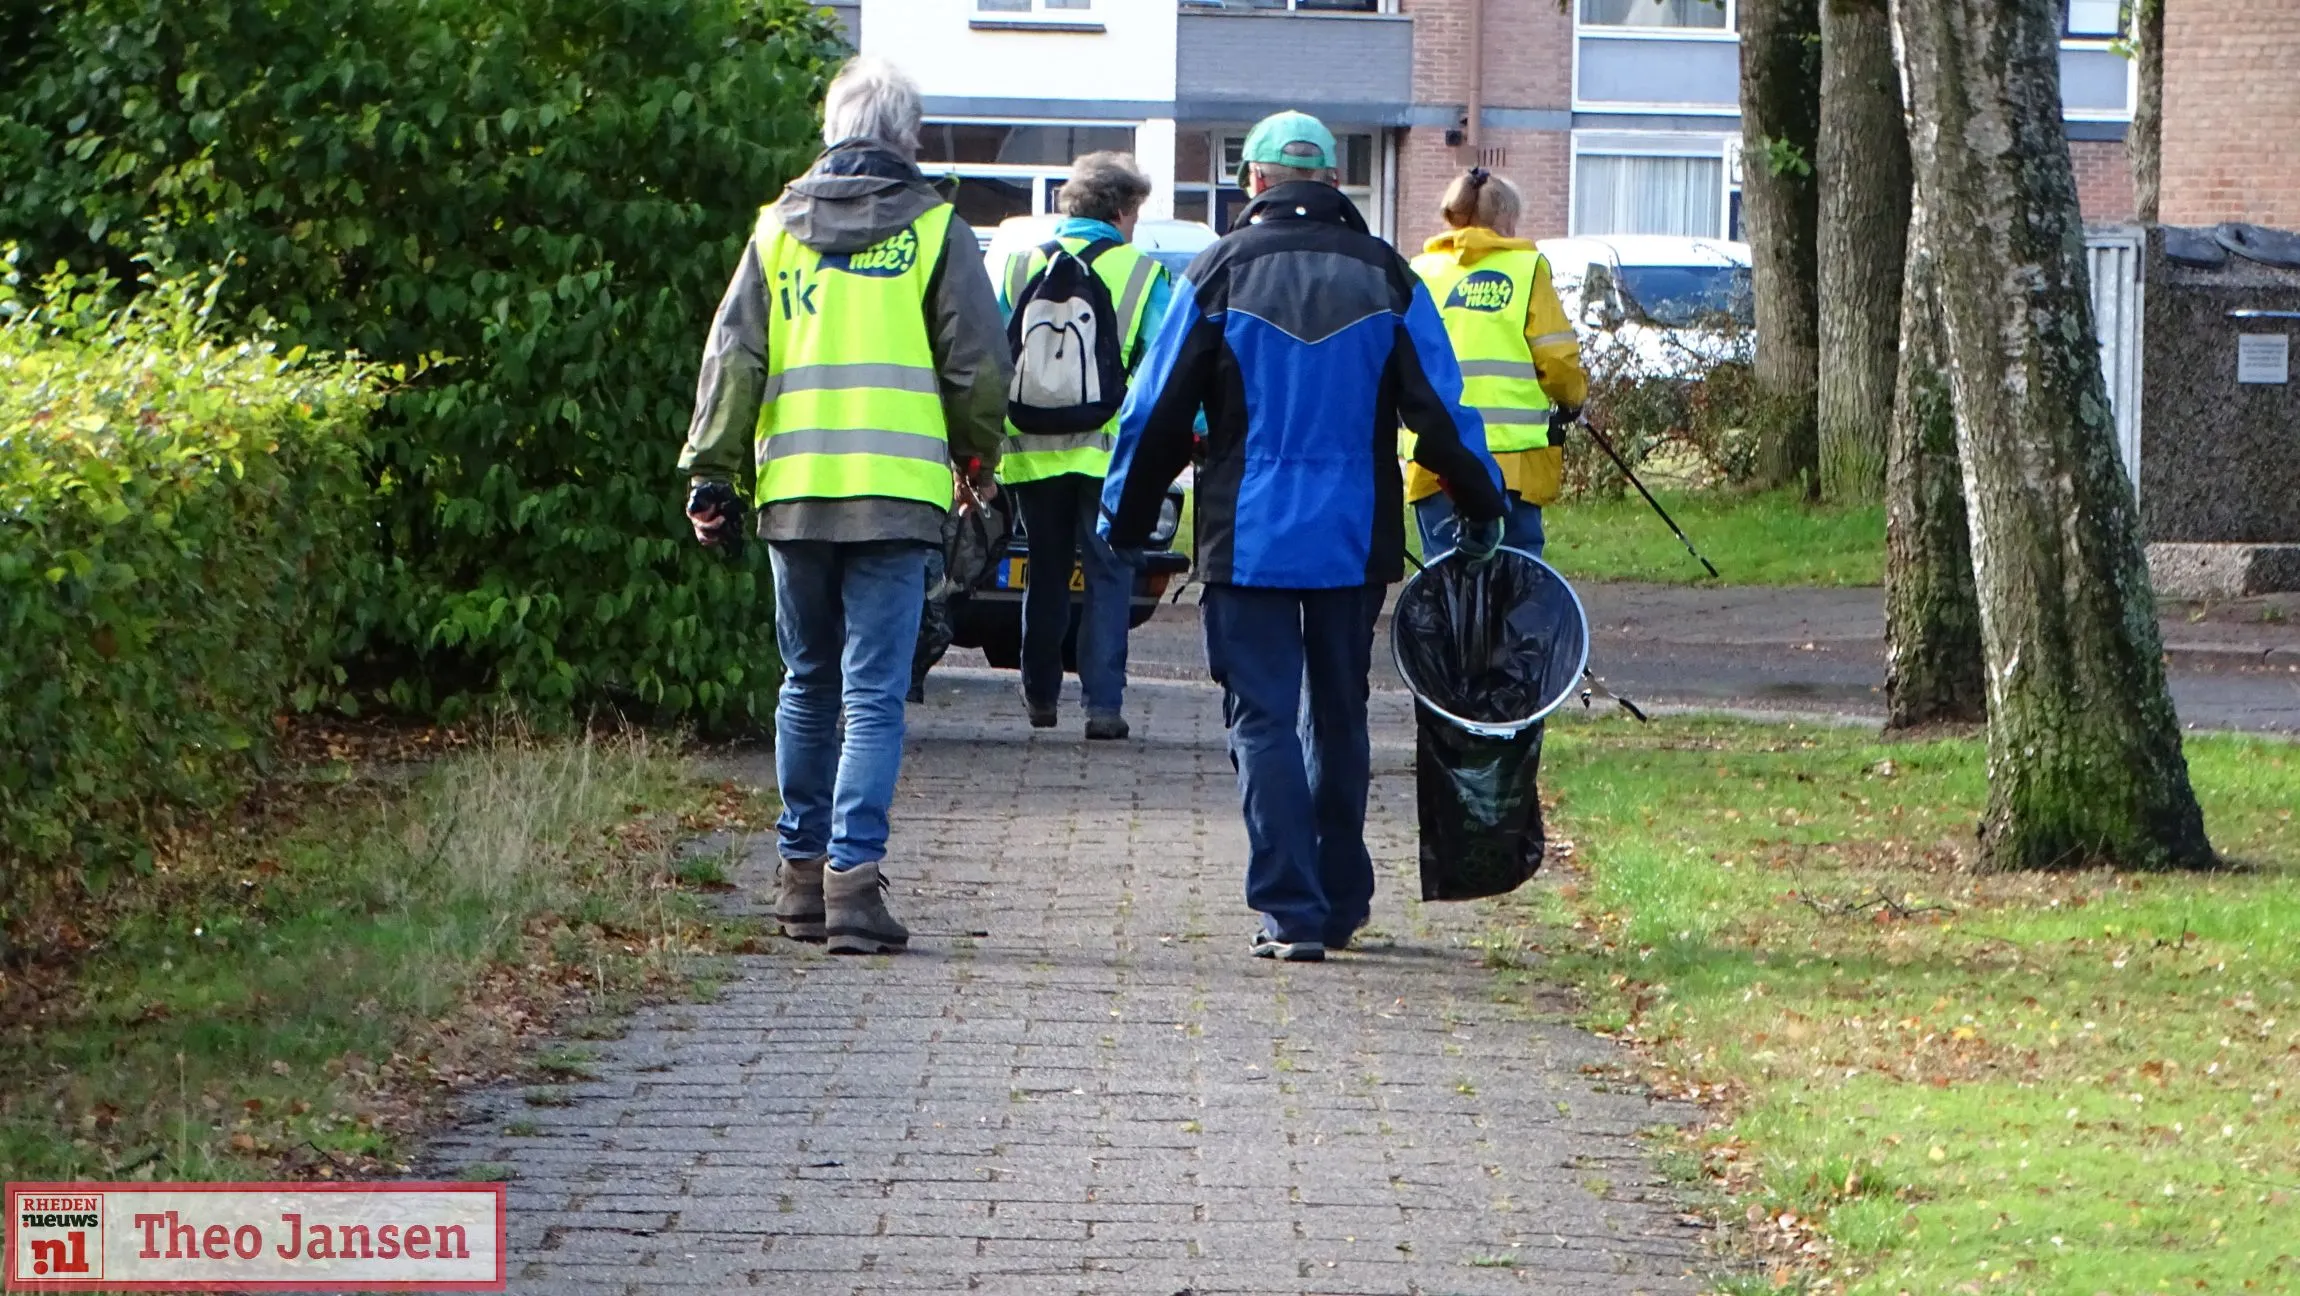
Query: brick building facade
point(2103, 179)
point(1664, 93)
point(2231, 103)
point(1613, 116)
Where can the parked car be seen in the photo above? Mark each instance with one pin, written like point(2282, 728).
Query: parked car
point(1653, 305)
point(990, 616)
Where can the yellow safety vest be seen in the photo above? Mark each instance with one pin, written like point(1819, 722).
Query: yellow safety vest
point(1035, 456)
point(852, 407)
point(1484, 309)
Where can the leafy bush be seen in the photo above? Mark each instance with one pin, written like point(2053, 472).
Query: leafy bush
point(1682, 417)
point(181, 520)
point(549, 194)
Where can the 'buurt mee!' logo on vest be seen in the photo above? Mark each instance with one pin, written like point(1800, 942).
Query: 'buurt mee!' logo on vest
point(889, 260)
point(1483, 290)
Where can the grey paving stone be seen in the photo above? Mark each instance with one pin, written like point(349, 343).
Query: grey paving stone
point(1103, 1094)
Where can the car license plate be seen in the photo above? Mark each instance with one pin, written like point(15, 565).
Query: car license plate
point(1015, 574)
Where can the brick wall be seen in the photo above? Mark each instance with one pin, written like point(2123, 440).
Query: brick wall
point(2103, 179)
point(1528, 62)
point(1536, 160)
point(2231, 96)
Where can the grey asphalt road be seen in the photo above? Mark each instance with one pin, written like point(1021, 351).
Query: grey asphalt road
point(1821, 652)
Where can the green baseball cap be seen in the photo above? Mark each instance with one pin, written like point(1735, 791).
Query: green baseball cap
point(1294, 139)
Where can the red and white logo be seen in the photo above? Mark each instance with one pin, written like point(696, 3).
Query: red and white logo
point(254, 1237)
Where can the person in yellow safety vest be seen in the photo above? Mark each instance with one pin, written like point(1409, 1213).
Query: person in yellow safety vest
point(1520, 359)
point(855, 359)
point(1057, 480)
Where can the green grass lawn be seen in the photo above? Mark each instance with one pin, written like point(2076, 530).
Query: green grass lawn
point(289, 995)
point(2065, 1083)
point(1772, 538)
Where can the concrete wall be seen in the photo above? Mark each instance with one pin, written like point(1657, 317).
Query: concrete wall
point(2232, 112)
point(956, 52)
point(1354, 68)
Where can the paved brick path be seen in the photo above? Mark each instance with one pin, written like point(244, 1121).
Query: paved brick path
point(1103, 1093)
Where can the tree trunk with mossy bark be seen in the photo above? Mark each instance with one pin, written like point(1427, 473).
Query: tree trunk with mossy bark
point(1780, 204)
point(2144, 141)
point(1933, 673)
point(1864, 224)
point(2084, 759)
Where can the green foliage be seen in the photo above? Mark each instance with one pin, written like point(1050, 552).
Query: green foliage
point(289, 994)
point(1784, 157)
point(180, 525)
point(549, 196)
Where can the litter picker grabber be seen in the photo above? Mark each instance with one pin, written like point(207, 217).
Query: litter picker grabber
point(1592, 684)
point(1623, 465)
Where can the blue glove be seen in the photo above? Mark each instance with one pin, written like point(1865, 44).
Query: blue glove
point(1480, 541)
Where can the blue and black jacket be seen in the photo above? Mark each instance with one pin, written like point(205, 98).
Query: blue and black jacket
point(1306, 341)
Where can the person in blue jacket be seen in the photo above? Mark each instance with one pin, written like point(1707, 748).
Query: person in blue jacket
point(1305, 341)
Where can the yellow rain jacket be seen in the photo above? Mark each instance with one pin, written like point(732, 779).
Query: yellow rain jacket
point(1531, 475)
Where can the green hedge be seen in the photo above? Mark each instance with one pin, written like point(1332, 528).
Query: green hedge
point(181, 519)
point(548, 196)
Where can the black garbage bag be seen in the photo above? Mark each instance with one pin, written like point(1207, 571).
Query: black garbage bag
point(1480, 805)
point(1487, 652)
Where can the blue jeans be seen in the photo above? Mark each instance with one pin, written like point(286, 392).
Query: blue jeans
point(1059, 513)
point(846, 619)
point(1440, 529)
point(1303, 760)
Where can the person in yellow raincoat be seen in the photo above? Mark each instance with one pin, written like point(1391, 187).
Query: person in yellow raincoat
point(1520, 358)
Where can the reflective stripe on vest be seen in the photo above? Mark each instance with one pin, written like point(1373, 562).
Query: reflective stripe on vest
point(1484, 308)
point(1033, 456)
point(852, 406)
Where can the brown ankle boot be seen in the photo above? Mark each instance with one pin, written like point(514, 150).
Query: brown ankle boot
point(799, 899)
point(856, 918)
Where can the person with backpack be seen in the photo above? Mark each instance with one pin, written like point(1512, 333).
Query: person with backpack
point(1079, 310)
point(1306, 341)
point(1520, 358)
point(855, 361)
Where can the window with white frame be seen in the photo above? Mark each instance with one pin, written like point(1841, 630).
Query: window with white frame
point(1206, 175)
point(1029, 6)
point(1641, 193)
point(1712, 15)
point(2095, 19)
point(1007, 169)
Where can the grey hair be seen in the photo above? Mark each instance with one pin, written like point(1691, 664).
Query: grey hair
point(1273, 174)
point(1104, 186)
point(872, 99)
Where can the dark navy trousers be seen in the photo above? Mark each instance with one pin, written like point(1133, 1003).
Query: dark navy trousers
point(1293, 666)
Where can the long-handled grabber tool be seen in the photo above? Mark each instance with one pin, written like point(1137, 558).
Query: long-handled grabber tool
point(1623, 465)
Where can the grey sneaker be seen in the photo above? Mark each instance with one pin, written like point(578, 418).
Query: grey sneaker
point(1270, 947)
point(857, 920)
point(1106, 728)
point(799, 899)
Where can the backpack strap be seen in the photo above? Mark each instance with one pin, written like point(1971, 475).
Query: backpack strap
point(1092, 251)
point(1017, 277)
